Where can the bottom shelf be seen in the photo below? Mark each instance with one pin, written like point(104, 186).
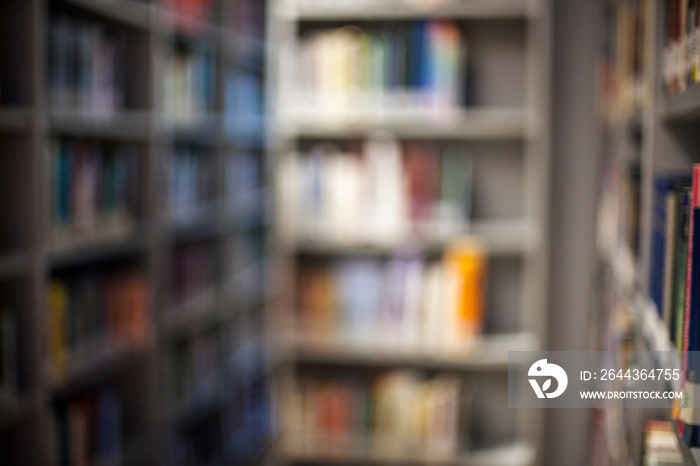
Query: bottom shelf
point(328, 453)
point(691, 455)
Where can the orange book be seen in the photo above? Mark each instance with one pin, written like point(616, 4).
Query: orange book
point(466, 266)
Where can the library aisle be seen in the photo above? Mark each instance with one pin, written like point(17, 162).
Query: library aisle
point(310, 232)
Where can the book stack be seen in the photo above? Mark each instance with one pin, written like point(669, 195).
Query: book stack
point(682, 47)
point(86, 71)
point(624, 84)
point(406, 302)
point(417, 66)
point(674, 282)
point(384, 194)
point(94, 314)
point(8, 356)
point(669, 251)
point(91, 429)
point(393, 414)
point(661, 444)
point(191, 185)
point(95, 189)
point(188, 83)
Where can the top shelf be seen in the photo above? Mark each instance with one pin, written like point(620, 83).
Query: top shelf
point(127, 12)
point(682, 107)
point(335, 10)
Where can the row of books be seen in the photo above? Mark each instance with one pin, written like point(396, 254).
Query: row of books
point(90, 429)
point(675, 279)
point(237, 436)
point(397, 412)
point(189, 84)
point(407, 302)
point(386, 193)
point(414, 65)
point(624, 82)
point(95, 187)
point(92, 313)
point(661, 444)
point(682, 46)
point(208, 366)
point(669, 250)
point(8, 355)
point(192, 184)
point(195, 379)
point(86, 71)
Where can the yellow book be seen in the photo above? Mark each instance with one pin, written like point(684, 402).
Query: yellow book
point(58, 326)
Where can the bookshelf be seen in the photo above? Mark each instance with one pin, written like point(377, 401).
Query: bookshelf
point(116, 193)
point(494, 123)
point(651, 122)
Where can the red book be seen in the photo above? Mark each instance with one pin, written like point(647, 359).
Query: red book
point(421, 165)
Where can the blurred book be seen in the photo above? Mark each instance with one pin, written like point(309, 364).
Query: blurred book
point(413, 66)
point(91, 428)
point(94, 315)
point(192, 192)
point(189, 83)
point(407, 302)
point(661, 444)
point(86, 69)
point(95, 191)
point(391, 414)
point(380, 196)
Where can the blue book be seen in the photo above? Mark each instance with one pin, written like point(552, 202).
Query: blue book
point(688, 425)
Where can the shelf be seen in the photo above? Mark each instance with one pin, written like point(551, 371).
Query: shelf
point(192, 314)
point(75, 251)
point(190, 413)
point(500, 238)
point(95, 364)
point(15, 264)
point(170, 22)
point(512, 455)
point(683, 106)
point(126, 125)
point(16, 410)
point(465, 125)
point(203, 130)
point(127, 12)
point(322, 10)
point(489, 352)
point(15, 118)
point(691, 455)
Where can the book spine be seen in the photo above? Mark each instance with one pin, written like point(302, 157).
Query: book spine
point(689, 427)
